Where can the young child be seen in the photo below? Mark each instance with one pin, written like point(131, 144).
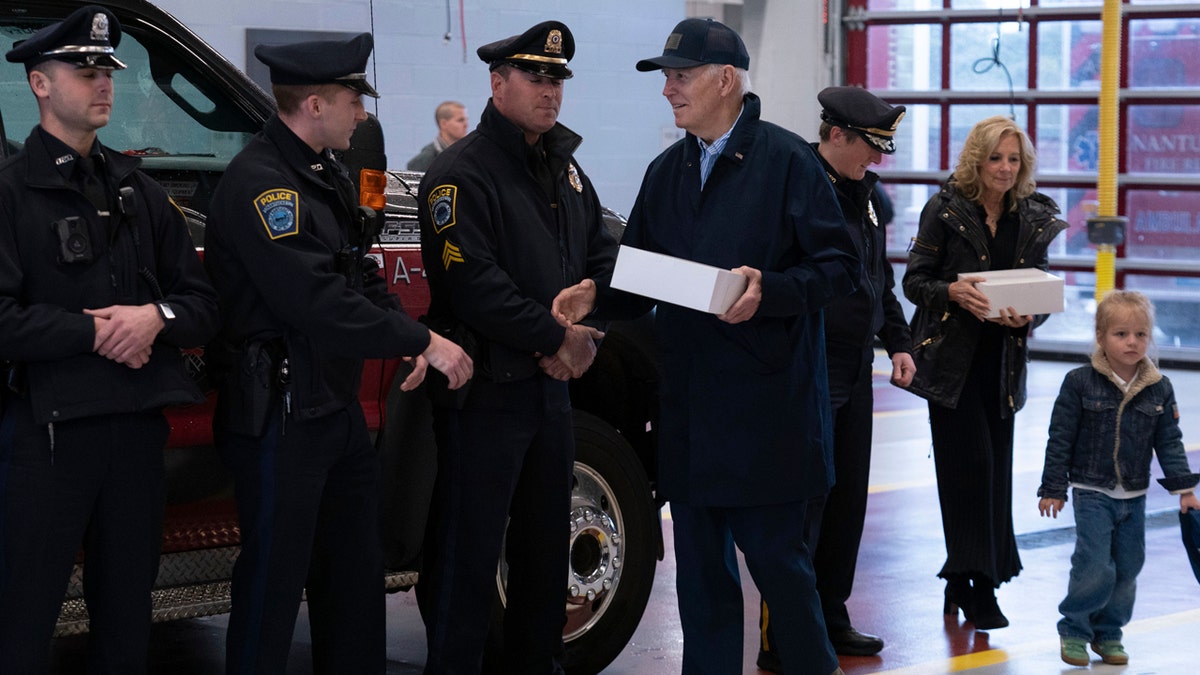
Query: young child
point(1108, 420)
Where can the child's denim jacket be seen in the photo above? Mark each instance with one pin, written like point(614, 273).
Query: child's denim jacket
point(1101, 435)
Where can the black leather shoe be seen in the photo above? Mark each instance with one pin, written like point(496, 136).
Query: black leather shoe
point(769, 661)
point(850, 642)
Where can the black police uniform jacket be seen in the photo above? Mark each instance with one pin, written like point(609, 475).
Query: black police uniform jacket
point(745, 415)
point(872, 310)
point(280, 253)
point(951, 240)
point(42, 327)
point(497, 249)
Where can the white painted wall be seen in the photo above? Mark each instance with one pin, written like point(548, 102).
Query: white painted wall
point(619, 112)
point(788, 66)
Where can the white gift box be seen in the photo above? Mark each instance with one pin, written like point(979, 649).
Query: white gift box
point(677, 281)
point(1027, 290)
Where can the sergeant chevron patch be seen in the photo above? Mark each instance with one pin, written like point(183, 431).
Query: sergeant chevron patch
point(451, 254)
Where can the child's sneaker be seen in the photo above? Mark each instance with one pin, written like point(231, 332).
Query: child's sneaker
point(1074, 651)
point(1111, 652)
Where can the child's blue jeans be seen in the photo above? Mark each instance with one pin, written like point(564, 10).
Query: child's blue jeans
point(1110, 547)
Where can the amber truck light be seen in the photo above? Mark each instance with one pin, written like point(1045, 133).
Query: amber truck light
point(372, 184)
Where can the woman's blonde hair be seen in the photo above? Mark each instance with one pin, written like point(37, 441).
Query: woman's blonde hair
point(984, 138)
point(1116, 305)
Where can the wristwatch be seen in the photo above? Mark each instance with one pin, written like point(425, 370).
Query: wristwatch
point(165, 311)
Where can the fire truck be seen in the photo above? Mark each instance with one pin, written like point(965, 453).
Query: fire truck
point(186, 111)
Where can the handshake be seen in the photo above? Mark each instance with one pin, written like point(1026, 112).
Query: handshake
point(578, 348)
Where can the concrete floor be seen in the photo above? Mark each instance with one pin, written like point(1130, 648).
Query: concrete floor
point(897, 594)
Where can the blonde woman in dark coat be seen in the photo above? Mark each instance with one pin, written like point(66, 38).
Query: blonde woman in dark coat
point(971, 369)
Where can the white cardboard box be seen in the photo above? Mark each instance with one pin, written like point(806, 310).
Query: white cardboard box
point(677, 281)
point(1027, 290)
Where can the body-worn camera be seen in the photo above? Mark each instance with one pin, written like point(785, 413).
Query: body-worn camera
point(74, 240)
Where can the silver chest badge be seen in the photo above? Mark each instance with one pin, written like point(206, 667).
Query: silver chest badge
point(573, 177)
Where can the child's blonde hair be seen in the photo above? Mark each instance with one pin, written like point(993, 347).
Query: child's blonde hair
point(1117, 304)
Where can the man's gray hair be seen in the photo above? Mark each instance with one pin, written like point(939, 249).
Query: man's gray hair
point(743, 77)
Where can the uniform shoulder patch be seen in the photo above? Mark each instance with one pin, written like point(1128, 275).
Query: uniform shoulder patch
point(279, 209)
point(441, 206)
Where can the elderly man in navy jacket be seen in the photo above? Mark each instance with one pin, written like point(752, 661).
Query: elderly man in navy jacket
point(745, 433)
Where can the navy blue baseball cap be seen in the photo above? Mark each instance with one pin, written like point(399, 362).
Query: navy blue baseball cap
point(859, 110)
point(543, 50)
point(695, 42)
point(321, 62)
point(86, 38)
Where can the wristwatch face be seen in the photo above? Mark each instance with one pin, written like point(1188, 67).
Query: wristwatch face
point(165, 310)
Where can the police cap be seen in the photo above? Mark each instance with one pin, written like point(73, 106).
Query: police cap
point(695, 42)
point(543, 50)
point(86, 38)
point(321, 62)
point(859, 110)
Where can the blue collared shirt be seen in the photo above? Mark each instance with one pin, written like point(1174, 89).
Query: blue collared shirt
point(709, 153)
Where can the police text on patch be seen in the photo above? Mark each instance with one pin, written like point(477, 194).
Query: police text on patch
point(280, 212)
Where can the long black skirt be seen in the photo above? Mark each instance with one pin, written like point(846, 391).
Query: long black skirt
point(973, 456)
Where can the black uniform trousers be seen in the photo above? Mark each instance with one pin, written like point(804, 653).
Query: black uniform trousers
point(308, 508)
point(506, 462)
point(102, 486)
point(838, 517)
point(771, 538)
point(834, 522)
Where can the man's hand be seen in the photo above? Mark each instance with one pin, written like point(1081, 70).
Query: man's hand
point(125, 333)
point(574, 303)
point(903, 369)
point(449, 359)
point(746, 306)
point(578, 350)
point(555, 368)
point(417, 376)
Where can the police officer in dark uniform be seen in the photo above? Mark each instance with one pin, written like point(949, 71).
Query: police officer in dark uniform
point(302, 308)
point(99, 288)
point(858, 128)
point(508, 219)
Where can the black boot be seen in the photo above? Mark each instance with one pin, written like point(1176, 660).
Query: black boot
point(958, 596)
point(986, 610)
